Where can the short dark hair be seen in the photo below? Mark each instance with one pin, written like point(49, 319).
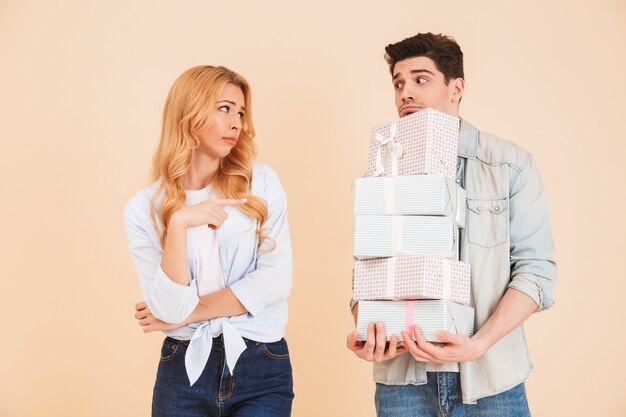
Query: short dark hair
point(442, 49)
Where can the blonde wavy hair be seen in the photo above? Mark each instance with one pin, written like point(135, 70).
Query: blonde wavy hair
point(189, 110)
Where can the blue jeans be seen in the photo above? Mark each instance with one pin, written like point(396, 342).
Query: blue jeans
point(441, 397)
point(261, 386)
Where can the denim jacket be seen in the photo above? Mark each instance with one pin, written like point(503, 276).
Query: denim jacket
point(508, 242)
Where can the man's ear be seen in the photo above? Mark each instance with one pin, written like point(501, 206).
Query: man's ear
point(458, 88)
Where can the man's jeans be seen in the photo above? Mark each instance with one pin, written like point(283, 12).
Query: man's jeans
point(260, 387)
point(441, 397)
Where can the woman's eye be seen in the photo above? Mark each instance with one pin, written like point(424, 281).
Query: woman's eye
point(225, 109)
point(240, 114)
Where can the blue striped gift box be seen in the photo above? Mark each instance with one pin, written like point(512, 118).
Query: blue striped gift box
point(429, 315)
point(384, 236)
point(426, 195)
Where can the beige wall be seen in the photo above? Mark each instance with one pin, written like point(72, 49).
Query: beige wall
point(82, 85)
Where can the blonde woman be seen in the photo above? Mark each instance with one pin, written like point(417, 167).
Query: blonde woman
point(211, 246)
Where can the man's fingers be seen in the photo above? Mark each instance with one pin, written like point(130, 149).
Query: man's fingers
point(351, 340)
point(448, 337)
point(370, 342)
point(381, 341)
point(396, 347)
point(416, 350)
point(427, 347)
point(393, 346)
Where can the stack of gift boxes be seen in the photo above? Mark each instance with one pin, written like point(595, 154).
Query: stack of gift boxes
point(408, 210)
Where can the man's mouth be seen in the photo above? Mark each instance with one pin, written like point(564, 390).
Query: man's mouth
point(408, 109)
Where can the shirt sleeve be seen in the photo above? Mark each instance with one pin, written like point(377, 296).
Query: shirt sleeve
point(271, 281)
point(533, 269)
point(168, 301)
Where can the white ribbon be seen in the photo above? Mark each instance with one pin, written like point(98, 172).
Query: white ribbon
point(396, 234)
point(390, 198)
point(202, 342)
point(391, 278)
point(394, 151)
point(446, 271)
point(457, 201)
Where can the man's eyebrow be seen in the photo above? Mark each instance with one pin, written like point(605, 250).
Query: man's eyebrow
point(233, 103)
point(415, 71)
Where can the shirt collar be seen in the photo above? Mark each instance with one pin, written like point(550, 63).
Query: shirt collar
point(468, 140)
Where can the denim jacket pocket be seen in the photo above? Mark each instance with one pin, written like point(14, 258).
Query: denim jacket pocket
point(488, 221)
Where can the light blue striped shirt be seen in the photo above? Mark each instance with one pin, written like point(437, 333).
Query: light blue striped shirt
point(260, 280)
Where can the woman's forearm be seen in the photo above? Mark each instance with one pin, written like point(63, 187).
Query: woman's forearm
point(222, 303)
point(174, 261)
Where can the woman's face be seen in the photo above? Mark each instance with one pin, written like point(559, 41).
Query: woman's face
point(224, 128)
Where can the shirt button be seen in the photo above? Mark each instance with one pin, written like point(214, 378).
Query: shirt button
point(479, 209)
point(458, 181)
point(496, 208)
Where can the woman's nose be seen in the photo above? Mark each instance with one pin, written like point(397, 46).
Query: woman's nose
point(236, 123)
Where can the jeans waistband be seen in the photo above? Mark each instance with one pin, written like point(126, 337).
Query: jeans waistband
point(219, 340)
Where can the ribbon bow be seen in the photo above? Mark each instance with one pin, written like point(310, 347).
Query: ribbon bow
point(202, 342)
point(394, 151)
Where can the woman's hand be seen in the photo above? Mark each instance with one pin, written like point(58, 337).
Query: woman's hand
point(149, 323)
point(210, 212)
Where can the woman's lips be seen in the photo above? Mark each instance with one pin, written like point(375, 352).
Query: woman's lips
point(232, 141)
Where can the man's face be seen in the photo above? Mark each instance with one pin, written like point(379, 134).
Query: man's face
point(419, 84)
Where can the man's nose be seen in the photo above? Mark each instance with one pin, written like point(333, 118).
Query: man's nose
point(407, 94)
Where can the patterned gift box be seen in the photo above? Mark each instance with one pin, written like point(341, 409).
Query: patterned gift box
point(384, 236)
point(429, 315)
point(425, 142)
point(435, 195)
point(412, 277)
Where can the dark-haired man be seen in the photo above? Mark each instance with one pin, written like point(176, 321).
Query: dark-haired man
point(508, 242)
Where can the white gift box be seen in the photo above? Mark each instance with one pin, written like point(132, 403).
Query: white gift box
point(433, 195)
point(425, 142)
point(384, 236)
point(430, 315)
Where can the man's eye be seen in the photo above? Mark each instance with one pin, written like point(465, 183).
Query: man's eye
point(397, 85)
point(421, 80)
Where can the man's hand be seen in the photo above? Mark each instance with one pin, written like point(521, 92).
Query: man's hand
point(375, 348)
point(148, 322)
point(457, 348)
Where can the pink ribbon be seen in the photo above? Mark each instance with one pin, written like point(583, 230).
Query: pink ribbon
point(408, 321)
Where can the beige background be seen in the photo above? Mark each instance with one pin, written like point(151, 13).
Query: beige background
point(82, 85)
